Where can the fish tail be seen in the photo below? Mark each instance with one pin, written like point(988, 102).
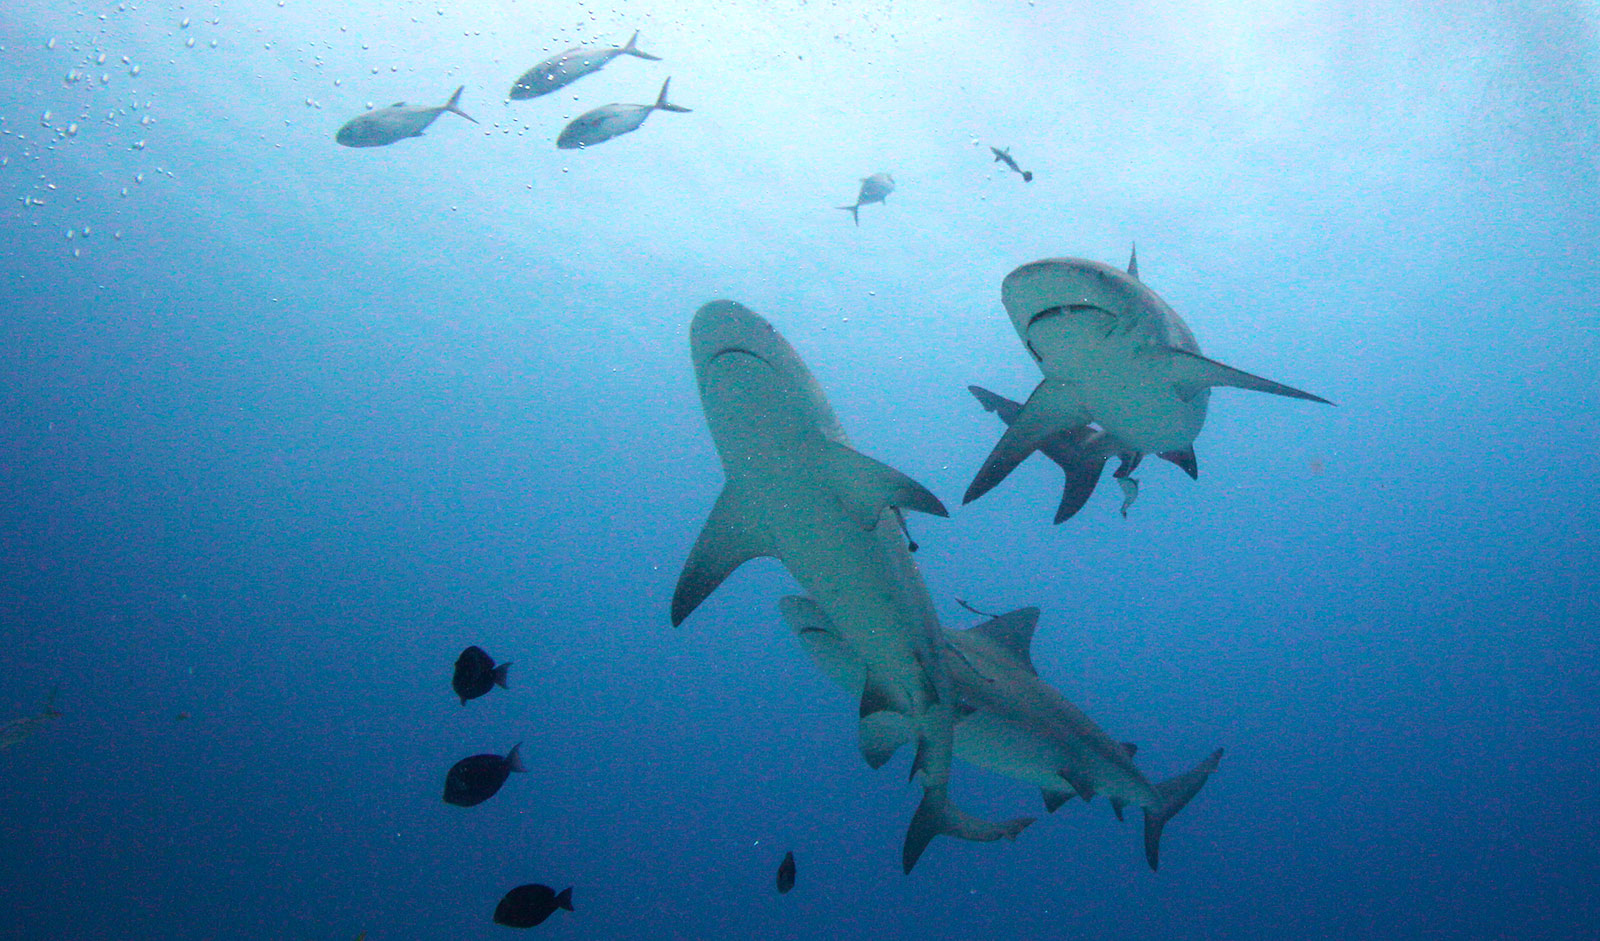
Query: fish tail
point(662, 104)
point(502, 676)
point(632, 49)
point(564, 898)
point(514, 758)
point(454, 105)
point(854, 211)
point(1173, 794)
point(1027, 176)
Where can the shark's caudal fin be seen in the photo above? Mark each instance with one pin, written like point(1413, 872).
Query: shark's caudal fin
point(854, 211)
point(661, 100)
point(454, 105)
point(1046, 423)
point(727, 541)
point(1193, 372)
point(1173, 794)
point(632, 49)
point(937, 815)
point(867, 487)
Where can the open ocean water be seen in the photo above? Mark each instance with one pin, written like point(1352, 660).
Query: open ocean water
point(285, 425)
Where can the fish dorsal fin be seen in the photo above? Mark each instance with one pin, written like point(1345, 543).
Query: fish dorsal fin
point(398, 104)
point(867, 487)
point(1192, 373)
point(728, 540)
point(1012, 635)
point(1133, 262)
point(822, 642)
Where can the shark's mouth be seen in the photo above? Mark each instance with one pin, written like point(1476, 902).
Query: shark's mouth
point(740, 351)
point(1062, 310)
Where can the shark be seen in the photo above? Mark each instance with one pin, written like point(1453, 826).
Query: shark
point(797, 491)
point(1013, 723)
point(1123, 377)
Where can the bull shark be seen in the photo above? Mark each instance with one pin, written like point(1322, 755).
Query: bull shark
point(1015, 724)
point(798, 492)
point(1124, 378)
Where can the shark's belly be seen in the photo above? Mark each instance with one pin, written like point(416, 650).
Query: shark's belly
point(1124, 380)
point(1007, 748)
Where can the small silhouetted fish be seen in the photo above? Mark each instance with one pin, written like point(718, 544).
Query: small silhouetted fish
point(786, 873)
point(472, 781)
point(20, 730)
point(1004, 156)
point(608, 121)
point(476, 674)
point(874, 189)
point(529, 905)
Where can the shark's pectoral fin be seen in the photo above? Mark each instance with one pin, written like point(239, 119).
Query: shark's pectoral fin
point(1080, 782)
point(728, 540)
point(1054, 797)
point(938, 815)
point(1117, 804)
point(827, 648)
point(1012, 635)
point(1185, 460)
point(1171, 796)
point(999, 404)
point(866, 487)
point(1052, 408)
point(1192, 372)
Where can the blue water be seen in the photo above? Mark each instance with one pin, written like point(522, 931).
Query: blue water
point(288, 425)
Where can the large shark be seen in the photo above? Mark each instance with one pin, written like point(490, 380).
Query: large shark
point(1124, 378)
point(798, 492)
point(1013, 723)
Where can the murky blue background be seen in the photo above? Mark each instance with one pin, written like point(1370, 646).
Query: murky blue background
point(286, 425)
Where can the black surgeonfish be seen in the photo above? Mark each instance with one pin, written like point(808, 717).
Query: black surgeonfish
point(529, 905)
point(476, 674)
point(473, 780)
point(786, 873)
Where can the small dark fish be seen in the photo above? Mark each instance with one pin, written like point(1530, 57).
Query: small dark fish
point(1004, 156)
point(786, 873)
point(529, 905)
point(472, 781)
point(476, 674)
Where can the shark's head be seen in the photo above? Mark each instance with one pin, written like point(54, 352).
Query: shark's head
point(1105, 300)
point(750, 375)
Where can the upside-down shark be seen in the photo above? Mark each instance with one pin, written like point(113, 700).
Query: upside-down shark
point(1011, 722)
point(798, 492)
point(1124, 378)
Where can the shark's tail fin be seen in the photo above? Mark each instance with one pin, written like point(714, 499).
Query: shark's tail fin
point(502, 676)
point(454, 105)
point(938, 815)
point(854, 211)
point(1173, 794)
point(662, 104)
point(1073, 450)
point(632, 49)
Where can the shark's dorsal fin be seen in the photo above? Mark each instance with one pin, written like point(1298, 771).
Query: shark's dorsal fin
point(1012, 635)
point(1130, 748)
point(1054, 797)
point(1192, 373)
point(727, 541)
point(1133, 261)
point(866, 487)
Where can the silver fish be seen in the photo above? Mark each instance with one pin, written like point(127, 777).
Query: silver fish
point(608, 121)
point(566, 68)
point(874, 189)
point(397, 122)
